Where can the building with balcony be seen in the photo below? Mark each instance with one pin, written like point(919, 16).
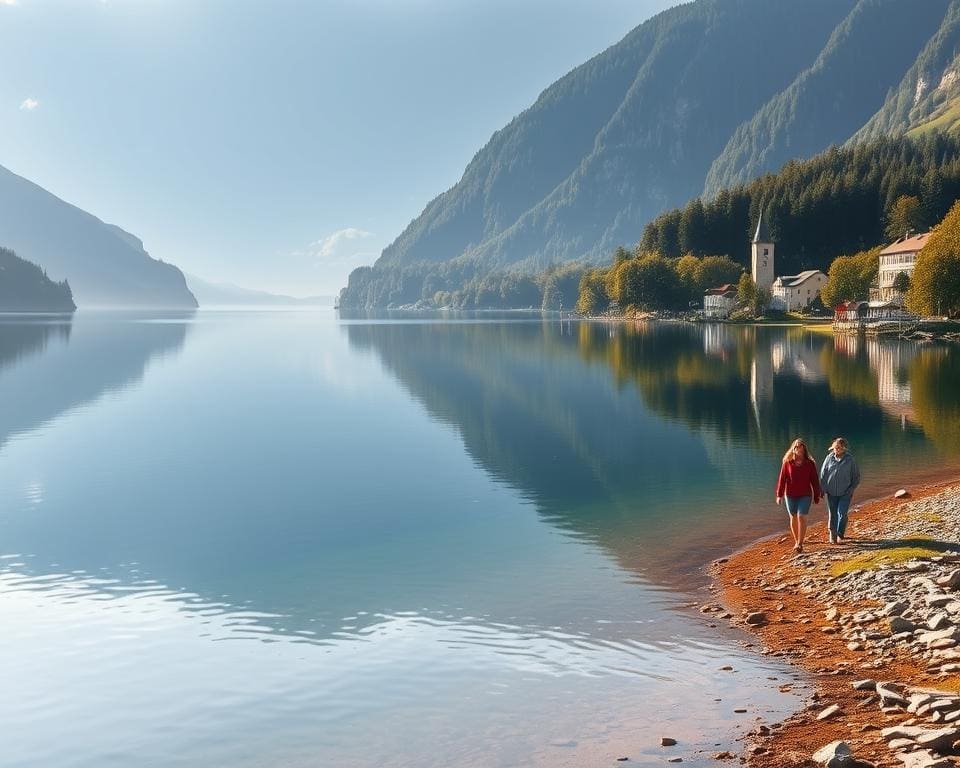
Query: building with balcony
point(898, 257)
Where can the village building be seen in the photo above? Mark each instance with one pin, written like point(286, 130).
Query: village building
point(761, 257)
point(794, 292)
point(720, 302)
point(899, 257)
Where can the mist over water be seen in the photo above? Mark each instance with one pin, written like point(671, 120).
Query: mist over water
point(288, 539)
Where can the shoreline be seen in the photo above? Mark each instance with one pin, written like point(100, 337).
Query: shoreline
point(881, 608)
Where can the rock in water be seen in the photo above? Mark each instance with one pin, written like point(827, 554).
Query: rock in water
point(666, 741)
point(901, 494)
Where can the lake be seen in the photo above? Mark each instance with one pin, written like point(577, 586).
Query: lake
point(293, 539)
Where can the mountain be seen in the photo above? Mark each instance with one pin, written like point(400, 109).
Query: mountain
point(928, 96)
point(105, 266)
point(831, 100)
point(228, 294)
point(703, 96)
point(24, 287)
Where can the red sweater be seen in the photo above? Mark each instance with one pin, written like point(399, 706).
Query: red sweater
point(799, 481)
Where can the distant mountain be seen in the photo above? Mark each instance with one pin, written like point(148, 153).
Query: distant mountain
point(24, 287)
point(228, 294)
point(703, 96)
point(105, 266)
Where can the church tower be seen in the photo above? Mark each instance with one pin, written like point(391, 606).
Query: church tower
point(762, 256)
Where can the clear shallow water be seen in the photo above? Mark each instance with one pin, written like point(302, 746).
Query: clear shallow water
point(279, 539)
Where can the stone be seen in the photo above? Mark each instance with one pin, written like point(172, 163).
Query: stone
point(899, 624)
point(938, 600)
point(924, 759)
point(939, 739)
point(865, 685)
point(951, 580)
point(756, 618)
point(666, 741)
point(675, 760)
point(901, 494)
point(891, 694)
point(895, 608)
point(833, 709)
point(950, 633)
point(832, 753)
point(938, 621)
point(724, 756)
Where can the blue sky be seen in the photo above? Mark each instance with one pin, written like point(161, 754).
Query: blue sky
point(275, 145)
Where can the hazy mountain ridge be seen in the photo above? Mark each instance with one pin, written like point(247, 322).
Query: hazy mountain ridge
point(105, 265)
point(700, 97)
point(227, 294)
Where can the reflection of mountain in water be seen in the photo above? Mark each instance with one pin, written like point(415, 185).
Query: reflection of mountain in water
point(717, 405)
point(48, 367)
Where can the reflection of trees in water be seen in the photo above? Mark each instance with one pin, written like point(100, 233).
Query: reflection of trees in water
point(20, 337)
point(616, 429)
point(935, 389)
point(47, 368)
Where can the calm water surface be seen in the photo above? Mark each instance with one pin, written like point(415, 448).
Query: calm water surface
point(286, 539)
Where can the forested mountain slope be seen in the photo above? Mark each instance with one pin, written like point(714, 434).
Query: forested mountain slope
point(705, 95)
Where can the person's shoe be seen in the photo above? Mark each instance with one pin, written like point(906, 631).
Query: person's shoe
point(839, 539)
point(797, 548)
point(833, 538)
point(800, 548)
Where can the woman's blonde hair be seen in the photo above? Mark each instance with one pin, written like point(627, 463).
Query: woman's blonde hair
point(840, 441)
point(798, 443)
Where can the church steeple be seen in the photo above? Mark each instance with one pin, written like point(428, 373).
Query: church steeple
point(761, 255)
point(762, 234)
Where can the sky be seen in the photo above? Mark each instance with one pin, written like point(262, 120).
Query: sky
point(275, 145)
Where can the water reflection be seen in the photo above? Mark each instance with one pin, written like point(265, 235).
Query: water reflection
point(660, 441)
point(49, 366)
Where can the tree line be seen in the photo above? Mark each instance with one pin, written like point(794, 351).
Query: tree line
point(648, 281)
point(844, 200)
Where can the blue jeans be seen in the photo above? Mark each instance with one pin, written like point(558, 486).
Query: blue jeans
point(837, 507)
point(797, 505)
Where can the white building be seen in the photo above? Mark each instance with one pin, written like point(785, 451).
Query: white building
point(793, 292)
point(720, 302)
point(899, 257)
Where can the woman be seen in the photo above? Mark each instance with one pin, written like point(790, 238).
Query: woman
point(839, 477)
point(797, 486)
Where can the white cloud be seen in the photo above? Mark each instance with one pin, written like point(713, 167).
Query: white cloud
point(339, 245)
point(28, 104)
point(8, 2)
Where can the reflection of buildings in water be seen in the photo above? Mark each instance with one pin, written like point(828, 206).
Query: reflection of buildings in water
point(797, 357)
point(718, 341)
point(845, 344)
point(761, 380)
point(889, 362)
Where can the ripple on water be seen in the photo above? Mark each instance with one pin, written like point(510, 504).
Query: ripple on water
point(152, 663)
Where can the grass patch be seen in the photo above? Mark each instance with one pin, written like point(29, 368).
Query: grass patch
point(928, 517)
point(887, 556)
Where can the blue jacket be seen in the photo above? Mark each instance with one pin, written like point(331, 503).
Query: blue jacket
point(838, 477)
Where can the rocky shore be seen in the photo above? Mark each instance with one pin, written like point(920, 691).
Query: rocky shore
point(875, 624)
